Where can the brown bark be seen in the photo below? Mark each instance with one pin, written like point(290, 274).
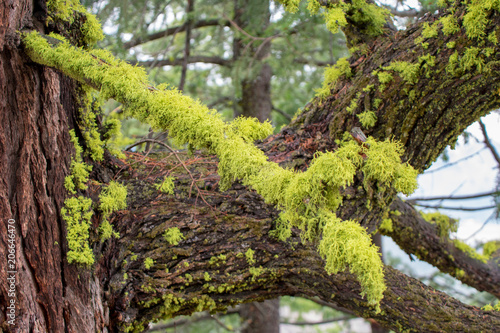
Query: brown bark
point(39, 105)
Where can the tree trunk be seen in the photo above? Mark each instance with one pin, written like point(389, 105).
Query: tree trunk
point(39, 291)
point(255, 102)
point(253, 17)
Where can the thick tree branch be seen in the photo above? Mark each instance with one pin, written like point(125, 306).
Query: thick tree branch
point(173, 31)
point(218, 274)
point(416, 236)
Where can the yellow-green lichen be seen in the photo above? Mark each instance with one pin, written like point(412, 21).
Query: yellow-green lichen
point(111, 199)
point(249, 256)
point(166, 186)
point(345, 244)
point(173, 236)
point(444, 223)
point(77, 213)
point(469, 251)
point(490, 247)
point(489, 307)
point(367, 118)
point(79, 171)
point(450, 25)
point(386, 226)
point(148, 263)
point(332, 74)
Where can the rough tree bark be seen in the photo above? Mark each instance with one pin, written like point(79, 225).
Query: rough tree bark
point(209, 270)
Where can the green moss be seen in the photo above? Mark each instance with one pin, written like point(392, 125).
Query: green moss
point(470, 251)
point(112, 198)
point(256, 272)
point(79, 171)
point(332, 74)
point(345, 244)
point(207, 277)
point(354, 104)
point(450, 25)
point(249, 256)
point(386, 226)
point(77, 213)
point(445, 224)
point(166, 186)
point(489, 307)
point(65, 10)
point(476, 18)
point(492, 37)
point(430, 31)
point(451, 45)
point(490, 247)
point(173, 236)
point(367, 118)
point(148, 263)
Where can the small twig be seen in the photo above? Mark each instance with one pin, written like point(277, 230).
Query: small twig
point(488, 143)
point(465, 209)
point(462, 197)
point(326, 321)
point(281, 112)
point(193, 181)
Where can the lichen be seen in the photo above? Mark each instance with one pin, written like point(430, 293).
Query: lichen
point(469, 251)
point(166, 186)
point(386, 226)
point(111, 199)
point(345, 244)
point(77, 213)
point(367, 118)
point(249, 256)
point(332, 74)
point(79, 171)
point(490, 247)
point(148, 263)
point(173, 236)
point(444, 223)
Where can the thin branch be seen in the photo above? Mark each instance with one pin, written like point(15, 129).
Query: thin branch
point(187, 44)
point(488, 143)
point(314, 62)
point(174, 30)
point(281, 112)
point(326, 321)
point(448, 165)
point(458, 197)
point(193, 181)
point(465, 209)
point(180, 61)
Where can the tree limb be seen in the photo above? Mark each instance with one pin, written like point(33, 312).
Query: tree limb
point(416, 236)
point(180, 61)
point(174, 30)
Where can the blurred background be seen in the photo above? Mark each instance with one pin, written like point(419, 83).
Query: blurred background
point(251, 58)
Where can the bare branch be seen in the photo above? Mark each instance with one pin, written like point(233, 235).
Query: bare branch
point(458, 197)
point(465, 209)
point(488, 143)
point(180, 61)
point(174, 30)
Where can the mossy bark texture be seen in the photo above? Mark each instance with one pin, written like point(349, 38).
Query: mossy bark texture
point(140, 277)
